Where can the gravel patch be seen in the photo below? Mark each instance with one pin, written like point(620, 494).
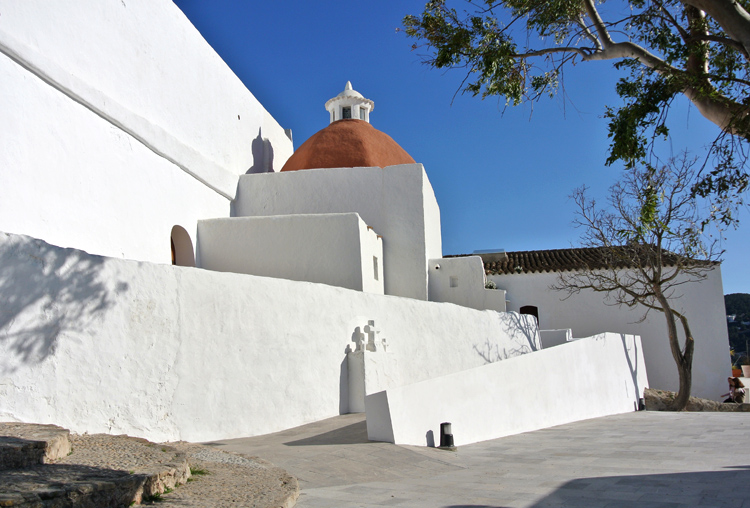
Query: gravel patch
point(205, 454)
point(232, 481)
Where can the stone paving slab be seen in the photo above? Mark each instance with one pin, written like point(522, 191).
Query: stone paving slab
point(645, 460)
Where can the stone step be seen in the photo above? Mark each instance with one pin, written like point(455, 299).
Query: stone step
point(101, 471)
point(25, 445)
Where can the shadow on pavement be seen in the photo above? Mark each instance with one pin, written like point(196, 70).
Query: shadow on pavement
point(728, 488)
point(355, 433)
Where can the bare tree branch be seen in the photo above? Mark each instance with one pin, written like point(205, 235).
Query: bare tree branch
point(646, 250)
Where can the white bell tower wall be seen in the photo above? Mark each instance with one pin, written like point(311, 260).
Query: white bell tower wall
point(397, 201)
point(118, 123)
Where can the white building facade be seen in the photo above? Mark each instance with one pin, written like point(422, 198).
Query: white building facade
point(528, 277)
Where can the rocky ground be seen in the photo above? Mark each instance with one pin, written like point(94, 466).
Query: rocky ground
point(46, 466)
point(661, 400)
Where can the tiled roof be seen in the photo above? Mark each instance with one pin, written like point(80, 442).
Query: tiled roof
point(561, 260)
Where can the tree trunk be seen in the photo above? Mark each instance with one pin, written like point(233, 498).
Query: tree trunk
point(684, 360)
point(686, 381)
point(685, 368)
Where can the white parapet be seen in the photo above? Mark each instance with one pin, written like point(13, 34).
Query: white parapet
point(338, 249)
point(461, 281)
point(588, 378)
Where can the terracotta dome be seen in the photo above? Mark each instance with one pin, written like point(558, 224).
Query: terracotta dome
point(348, 143)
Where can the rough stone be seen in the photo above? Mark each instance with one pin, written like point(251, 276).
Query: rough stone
point(661, 400)
point(24, 445)
point(101, 470)
point(114, 471)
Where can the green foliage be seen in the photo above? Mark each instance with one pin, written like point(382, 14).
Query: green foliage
point(646, 98)
point(517, 49)
point(198, 471)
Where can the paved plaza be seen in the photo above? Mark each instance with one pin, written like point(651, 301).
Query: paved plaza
point(644, 460)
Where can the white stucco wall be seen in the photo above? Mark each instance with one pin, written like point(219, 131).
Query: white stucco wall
point(461, 281)
point(589, 378)
point(119, 121)
point(397, 201)
point(336, 249)
point(587, 314)
point(107, 345)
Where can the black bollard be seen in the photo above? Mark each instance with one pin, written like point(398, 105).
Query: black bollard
point(446, 436)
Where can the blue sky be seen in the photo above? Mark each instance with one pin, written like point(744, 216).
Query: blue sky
point(502, 176)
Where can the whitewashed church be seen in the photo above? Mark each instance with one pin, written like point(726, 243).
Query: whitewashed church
point(171, 268)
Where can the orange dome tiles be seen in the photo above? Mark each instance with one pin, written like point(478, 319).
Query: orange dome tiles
point(348, 143)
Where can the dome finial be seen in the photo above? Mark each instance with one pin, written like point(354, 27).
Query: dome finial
point(350, 104)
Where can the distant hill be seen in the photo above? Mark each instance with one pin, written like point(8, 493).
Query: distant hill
point(739, 304)
point(739, 335)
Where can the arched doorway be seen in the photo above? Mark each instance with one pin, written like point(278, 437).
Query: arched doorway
point(182, 247)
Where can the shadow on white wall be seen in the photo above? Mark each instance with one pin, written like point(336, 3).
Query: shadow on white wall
point(46, 291)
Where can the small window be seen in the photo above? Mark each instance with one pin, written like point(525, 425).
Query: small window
point(362, 113)
point(346, 112)
point(454, 282)
point(375, 266)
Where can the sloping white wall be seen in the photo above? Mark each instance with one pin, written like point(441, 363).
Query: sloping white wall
point(588, 314)
point(461, 281)
point(397, 201)
point(588, 378)
point(118, 122)
point(335, 249)
point(106, 345)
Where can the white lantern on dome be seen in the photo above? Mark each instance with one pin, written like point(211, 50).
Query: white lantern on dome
point(349, 104)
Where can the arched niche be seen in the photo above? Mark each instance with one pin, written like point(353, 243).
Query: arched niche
point(182, 247)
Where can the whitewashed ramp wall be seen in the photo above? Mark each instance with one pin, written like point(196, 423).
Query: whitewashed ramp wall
point(587, 378)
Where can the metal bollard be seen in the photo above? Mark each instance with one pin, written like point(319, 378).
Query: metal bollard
point(446, 436)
